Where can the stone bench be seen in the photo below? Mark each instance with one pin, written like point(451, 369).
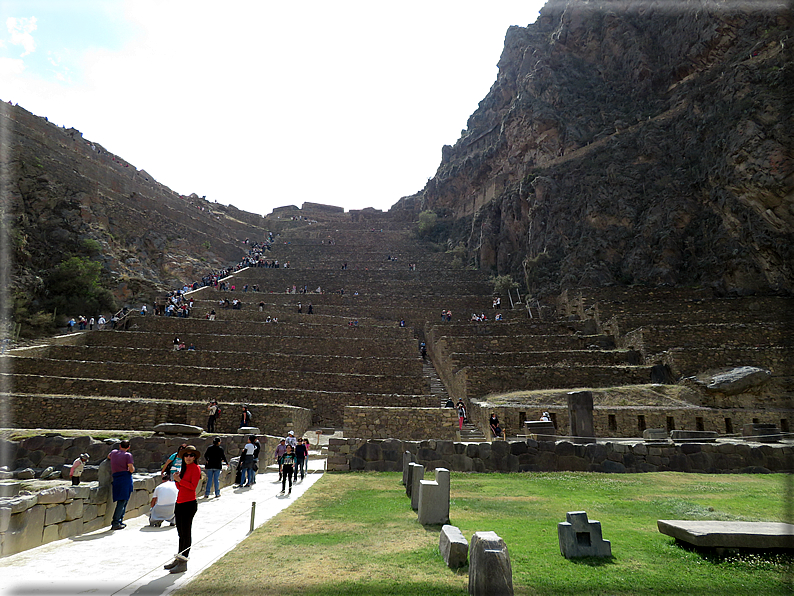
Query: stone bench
point(694, 436)
point(723, 535)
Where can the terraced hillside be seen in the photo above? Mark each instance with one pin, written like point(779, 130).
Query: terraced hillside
point(358, 297)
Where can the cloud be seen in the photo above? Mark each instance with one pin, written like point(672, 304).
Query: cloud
point(11, 66)
point(20, 30)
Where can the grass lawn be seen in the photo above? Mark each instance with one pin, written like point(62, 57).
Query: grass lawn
point(356, 534)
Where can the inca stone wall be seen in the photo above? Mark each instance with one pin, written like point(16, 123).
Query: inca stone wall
point(631, 421)
point(402, 423)
point(534, 456)
point(53, 411)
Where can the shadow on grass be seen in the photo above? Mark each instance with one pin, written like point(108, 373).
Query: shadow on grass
point(593, 561)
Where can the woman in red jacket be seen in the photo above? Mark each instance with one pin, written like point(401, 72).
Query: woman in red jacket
point(186, 506)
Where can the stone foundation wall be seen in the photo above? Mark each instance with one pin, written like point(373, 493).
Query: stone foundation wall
point(628, 422)
point(40, 452)
point(402, 423)
point(532, 456)
point(125, 413)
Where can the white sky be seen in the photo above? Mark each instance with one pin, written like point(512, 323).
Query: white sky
point(261, 104)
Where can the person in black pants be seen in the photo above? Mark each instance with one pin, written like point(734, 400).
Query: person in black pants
point(287, 468)
point(300, 460)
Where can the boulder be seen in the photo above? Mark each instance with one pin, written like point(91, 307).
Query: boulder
point(173, 428)
point(736, 380)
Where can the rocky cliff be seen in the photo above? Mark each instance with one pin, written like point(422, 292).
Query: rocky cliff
point(63, 195)
point(631, 142)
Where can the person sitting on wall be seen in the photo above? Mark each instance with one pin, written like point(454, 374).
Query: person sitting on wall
point(496, 430)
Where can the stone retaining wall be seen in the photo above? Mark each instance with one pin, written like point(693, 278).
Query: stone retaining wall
point(630, 421)
point(60, 411)
point(40, 451)
point(484, 380)
point(403, 423)
point(224, 359)
point(532, 456)
point(258, 376)
point(343, 344)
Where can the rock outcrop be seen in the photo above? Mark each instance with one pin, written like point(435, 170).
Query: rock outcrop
point(634, 142)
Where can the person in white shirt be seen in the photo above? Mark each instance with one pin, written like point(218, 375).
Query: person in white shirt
point(163, 502)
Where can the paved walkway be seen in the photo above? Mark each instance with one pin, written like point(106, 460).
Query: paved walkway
point(130, 561)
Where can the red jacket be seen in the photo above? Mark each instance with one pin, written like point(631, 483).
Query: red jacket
point(188, 481)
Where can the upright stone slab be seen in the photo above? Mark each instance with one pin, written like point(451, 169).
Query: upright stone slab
point(581, 538)
point(409, 481)
point(453, 546)
point(416, 479)
point(580, 413)
point(490, 572)
point(408, 458)
point(434, 499)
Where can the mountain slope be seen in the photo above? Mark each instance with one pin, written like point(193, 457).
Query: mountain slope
point(631, 142)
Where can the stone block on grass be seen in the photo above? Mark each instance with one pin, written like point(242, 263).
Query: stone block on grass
point(434, 499)
point(490, 572)
point(580, 537)
point(453, 546)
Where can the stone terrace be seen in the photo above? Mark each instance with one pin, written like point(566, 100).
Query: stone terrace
point(605, 339)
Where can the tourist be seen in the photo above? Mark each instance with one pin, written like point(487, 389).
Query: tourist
point(214, 456)
point(461, 414)
point(287, 467)
point(247, 462)
point(213, 413)
point(301, 451)
point(257, 449)
point(172, 464)
point(186, 507)
point(291, 440)
point(143, 310)
point(77, 468)
point(162, 504)
point(101, 322)
point(246, 420)
point(493, 422)
point(121, 467)
point(176, 343)
point(281, 449)
point(91, 324)
point(545, 417)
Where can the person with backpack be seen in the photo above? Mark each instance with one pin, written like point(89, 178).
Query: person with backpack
point(214, 412)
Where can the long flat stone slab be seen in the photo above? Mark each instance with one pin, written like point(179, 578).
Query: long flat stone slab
point(725, 534)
